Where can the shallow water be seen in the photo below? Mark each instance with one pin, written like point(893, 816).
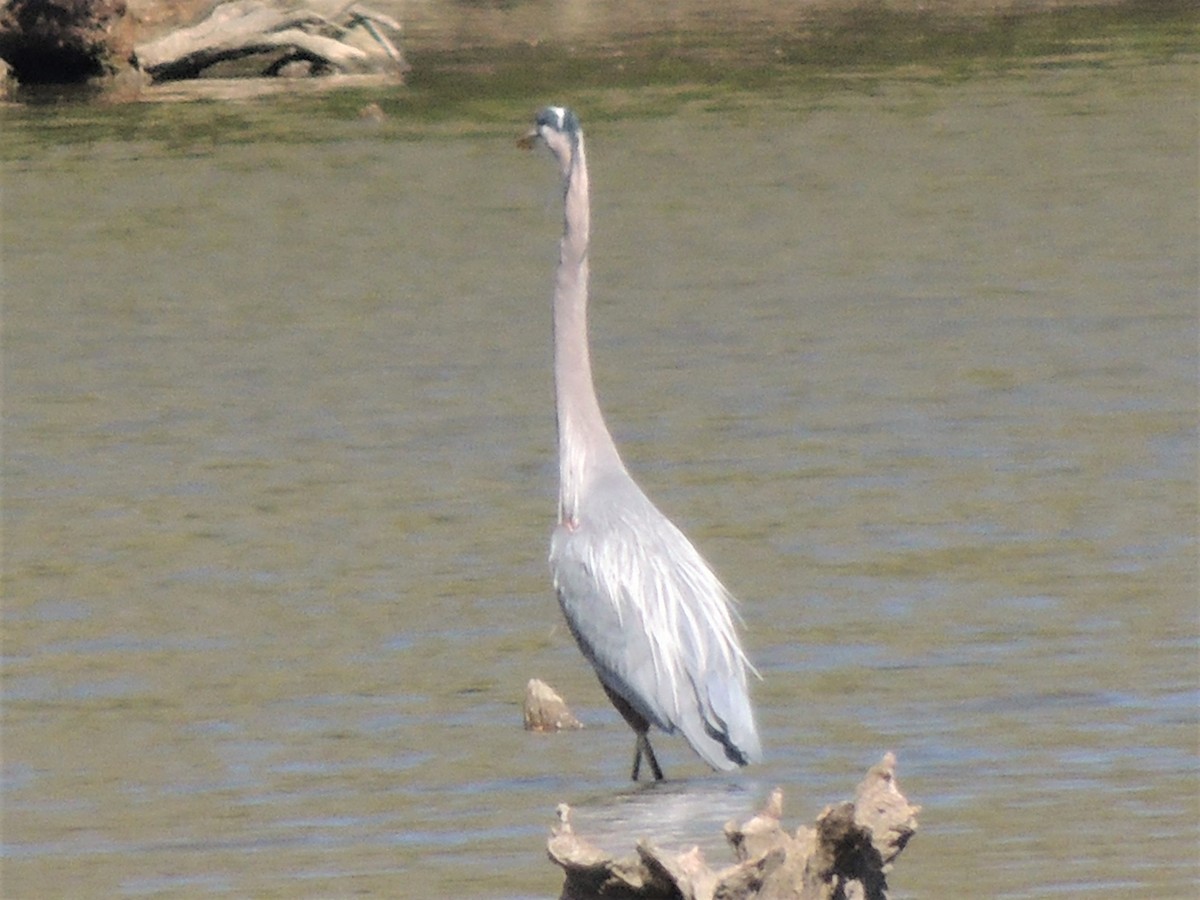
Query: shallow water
point(915, 366)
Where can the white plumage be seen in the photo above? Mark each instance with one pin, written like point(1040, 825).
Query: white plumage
point(645, 608)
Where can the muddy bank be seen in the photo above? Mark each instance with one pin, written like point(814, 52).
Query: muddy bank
point(446, 24)
point(63, 41)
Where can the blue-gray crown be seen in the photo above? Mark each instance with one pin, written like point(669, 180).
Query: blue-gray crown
point(560, 118)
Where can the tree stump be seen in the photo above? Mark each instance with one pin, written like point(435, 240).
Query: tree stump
point(846, 854)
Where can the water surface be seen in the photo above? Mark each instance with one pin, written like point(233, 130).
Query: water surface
point(915, 366)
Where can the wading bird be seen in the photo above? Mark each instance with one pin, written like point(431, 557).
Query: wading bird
point(643, 605)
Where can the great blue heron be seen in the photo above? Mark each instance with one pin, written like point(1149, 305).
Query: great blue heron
point(643, 605)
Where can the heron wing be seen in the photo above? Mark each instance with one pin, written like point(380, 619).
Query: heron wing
point(655, 621)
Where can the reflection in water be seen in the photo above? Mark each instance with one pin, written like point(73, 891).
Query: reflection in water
point(279, 472)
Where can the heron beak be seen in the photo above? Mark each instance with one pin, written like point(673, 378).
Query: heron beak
point(528, 141)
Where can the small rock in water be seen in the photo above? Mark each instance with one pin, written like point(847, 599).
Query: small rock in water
point(372, 112)
point(545, 710)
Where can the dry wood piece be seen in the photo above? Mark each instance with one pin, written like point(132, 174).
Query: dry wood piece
point(545, 710)
point(845, 855)
point(354, 39)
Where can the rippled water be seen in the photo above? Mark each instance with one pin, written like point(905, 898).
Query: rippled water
point(915, 366)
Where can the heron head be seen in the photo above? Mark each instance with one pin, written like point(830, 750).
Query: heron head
point(558, 128)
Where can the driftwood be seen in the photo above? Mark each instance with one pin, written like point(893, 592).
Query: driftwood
point(353, 39)
point(844, 856)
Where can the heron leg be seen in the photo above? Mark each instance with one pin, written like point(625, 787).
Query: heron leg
point(640, 726)
point(643, 747)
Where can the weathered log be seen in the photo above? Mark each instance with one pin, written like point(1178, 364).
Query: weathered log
point(846, 854)
point(354, 41)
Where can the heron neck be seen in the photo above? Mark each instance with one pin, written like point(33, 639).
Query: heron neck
point(585, 447)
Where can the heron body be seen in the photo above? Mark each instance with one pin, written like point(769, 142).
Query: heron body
point(644, 607)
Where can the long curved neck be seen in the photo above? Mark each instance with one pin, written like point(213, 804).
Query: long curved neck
point(585, 446)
